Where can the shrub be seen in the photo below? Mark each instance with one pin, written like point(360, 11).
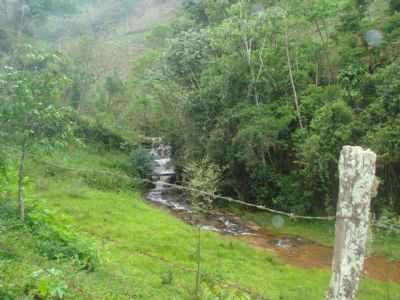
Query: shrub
point(215, 292)
point(3, 176)
point(7, 291)
point(48, 284)
point(91, 132)
point(107, 181)
point(141, 162)
point(388, 223)
point(202, 176)
point(167, 278)
point(58, 241)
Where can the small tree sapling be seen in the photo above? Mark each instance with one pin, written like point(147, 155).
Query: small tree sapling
point(31, 114)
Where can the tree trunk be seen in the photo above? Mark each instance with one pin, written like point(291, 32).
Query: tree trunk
point(21, 175)
point(197, 287)
point(296, 99)
point(5, 10)
point(357, 183)
point(20, 22)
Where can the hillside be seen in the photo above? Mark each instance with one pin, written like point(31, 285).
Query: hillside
point(109, 36)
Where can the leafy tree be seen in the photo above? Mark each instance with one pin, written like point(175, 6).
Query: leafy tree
point(39, 8)
point(114, 86)
point(30, 112)
point(189, 52)
point(23, 14)
point(205, 12)
point(3, 174)
point(76, 95)
point(394, 5)
point(330, 130)
point(201, 176)
point(271, 90)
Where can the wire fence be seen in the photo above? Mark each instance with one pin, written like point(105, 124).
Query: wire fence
point(391, 227)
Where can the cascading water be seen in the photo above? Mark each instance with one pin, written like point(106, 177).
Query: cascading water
point(163, 171)
point(176, 201)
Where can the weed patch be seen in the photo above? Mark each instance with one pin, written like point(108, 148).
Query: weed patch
point(59, 241)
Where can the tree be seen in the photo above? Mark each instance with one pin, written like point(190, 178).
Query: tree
point(201, 176)
point(3, 174)
point(289, 62)
point(114, 87)
point(82, 54)
point(30, 112)
point(394, 5)
point(205, 12)
point(4, 8)
point(271, 91)
point(39, 10)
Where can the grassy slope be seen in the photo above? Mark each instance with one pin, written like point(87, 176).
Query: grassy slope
point(148, 254)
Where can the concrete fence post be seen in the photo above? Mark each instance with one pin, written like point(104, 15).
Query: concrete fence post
point(356, 188)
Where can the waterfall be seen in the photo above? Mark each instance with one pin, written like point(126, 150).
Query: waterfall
point(162, 166)
point(177, 201)
point(163, 171)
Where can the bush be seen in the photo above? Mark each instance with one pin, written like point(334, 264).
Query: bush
point(49, 284)
point(115, 180)
point(7, 292)
point(202, 176)
point(3, 172)
point(216, 293)
point(141, 162)
point(58, 241)
point(214, 289)
point(108, 181)
point(388, 223)
point(26, 272)
point(91, 132)
point(3, 186)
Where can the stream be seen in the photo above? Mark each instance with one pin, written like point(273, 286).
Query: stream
point(293, 250)
point(176, 201)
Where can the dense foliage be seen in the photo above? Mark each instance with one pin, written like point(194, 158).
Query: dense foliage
point(271, 90)
point(202, 176)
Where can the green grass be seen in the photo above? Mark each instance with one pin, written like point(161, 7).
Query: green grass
point(141, 244)
point(146, 253)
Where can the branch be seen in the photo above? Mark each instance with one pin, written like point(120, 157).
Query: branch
point(296, 100)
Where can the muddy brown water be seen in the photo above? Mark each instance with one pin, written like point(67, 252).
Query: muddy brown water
point(297, 251)
point(293, 250)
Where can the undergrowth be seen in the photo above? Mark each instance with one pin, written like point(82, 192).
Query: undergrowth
point(60, 241)
point(36, 256)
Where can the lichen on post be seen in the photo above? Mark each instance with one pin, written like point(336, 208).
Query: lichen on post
point(357, 181)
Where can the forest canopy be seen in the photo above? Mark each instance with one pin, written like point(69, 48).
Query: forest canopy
point(270, 91)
